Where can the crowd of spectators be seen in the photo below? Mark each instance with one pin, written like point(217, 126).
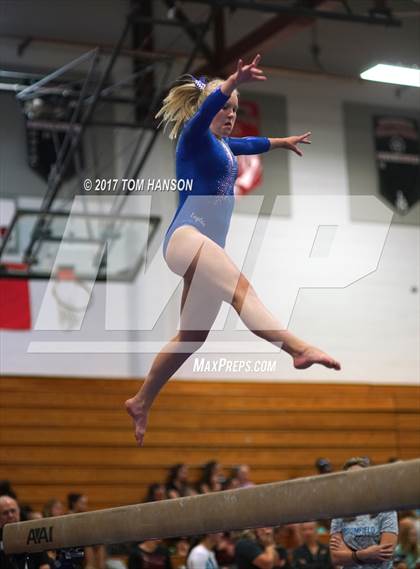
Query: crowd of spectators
point(392, 541)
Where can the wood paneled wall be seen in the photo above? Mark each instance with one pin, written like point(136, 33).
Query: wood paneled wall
point(60, 435)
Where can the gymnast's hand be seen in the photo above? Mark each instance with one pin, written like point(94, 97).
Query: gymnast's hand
point(291, 142)
point(243, 74)
point(250, 72)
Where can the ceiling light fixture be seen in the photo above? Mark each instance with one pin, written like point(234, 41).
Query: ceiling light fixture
point(395, 74)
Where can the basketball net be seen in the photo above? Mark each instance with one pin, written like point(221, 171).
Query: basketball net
point(72, 296)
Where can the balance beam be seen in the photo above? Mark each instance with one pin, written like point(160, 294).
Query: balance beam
point(370, 490)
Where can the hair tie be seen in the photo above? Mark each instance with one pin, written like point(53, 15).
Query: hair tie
point(200, 83)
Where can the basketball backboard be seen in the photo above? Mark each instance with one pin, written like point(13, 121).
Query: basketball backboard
point(94, 246)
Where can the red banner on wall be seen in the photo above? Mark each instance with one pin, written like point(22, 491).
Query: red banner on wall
point(15, 306)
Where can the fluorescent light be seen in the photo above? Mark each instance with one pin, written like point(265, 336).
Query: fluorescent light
point(393, 74)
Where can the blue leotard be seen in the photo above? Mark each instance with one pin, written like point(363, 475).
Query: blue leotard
point(210, 162)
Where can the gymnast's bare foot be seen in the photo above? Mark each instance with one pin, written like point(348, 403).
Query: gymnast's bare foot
point(312, 355)
point(137, 412)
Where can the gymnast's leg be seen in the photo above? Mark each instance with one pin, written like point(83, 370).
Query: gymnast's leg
point(196, 320)
point(226, 281)
point(209, 279)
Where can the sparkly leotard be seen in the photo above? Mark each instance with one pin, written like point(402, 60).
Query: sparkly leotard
point(211, 164)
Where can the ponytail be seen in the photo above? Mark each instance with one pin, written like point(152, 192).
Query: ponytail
point(183, 101)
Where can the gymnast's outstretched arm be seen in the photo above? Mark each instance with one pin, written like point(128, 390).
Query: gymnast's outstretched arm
point(248, 145)
point(291, 142)
point(259, 144)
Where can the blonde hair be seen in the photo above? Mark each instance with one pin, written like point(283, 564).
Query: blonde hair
point(183, 101)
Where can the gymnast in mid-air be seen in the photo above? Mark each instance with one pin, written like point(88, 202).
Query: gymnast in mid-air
point(202, 115)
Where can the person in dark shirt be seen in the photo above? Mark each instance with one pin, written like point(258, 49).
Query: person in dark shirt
point(312, 554)
point(10, 513)
point(149, 555)
point(177, 484)
point(225, 550)
point(156, 492)
point(278, 534)
point(211, 478)
point(257, 550)
point(77, 503)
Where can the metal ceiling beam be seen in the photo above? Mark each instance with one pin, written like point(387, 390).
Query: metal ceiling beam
point(260, 39)
point(196, 35)
point(106, 49)
point(89, 56)
point(219, 38)
point(302, 11)
point(64, 126)
point(142, 37)
point(195, 26)
point(65, 93)
point(193, 54)
point(55, 181)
